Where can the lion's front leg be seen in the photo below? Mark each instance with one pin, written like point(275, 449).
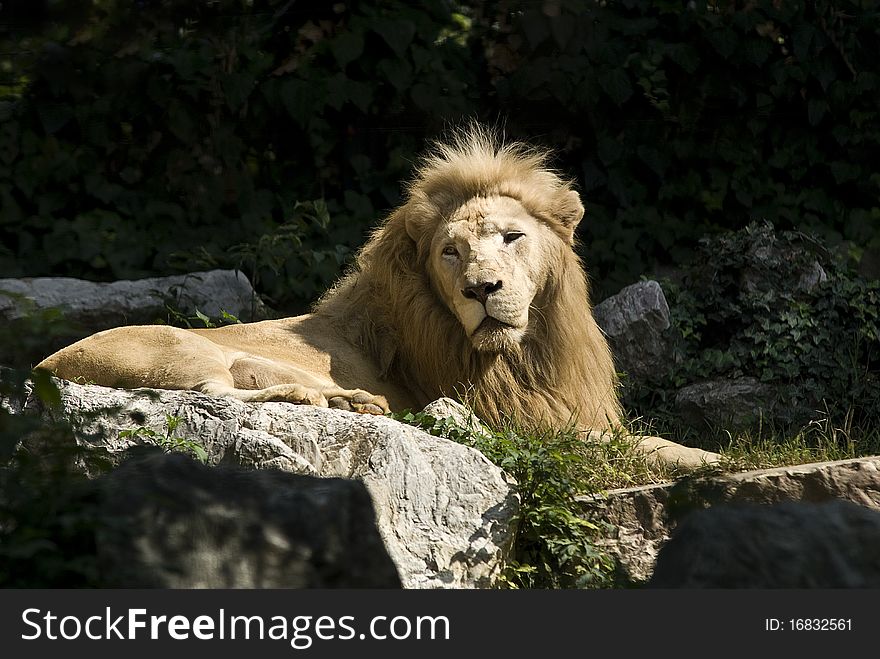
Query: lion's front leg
point(283, 393)
point(351, 400)
point(260, 380)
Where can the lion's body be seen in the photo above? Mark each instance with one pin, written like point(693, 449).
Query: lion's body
point(471, 288)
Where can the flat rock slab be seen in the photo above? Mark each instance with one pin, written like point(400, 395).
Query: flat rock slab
point(644, 517)
point(74, 308)
point(443, 510)
point(99, 306)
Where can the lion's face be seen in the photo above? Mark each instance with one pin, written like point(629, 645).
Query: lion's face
point(490, 262)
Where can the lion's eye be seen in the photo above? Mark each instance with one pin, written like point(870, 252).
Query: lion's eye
point(510, 236)
point(450, 250)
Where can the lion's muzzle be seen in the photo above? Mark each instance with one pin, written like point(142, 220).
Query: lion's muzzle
point(481, 291)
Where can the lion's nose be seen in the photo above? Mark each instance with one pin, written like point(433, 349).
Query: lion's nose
point(482, 291)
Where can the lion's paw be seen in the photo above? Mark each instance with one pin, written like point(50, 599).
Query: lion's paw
point(357, 400)
point(292, 393)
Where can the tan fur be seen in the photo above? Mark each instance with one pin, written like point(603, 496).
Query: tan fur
point(563, 373)
point(397, 324)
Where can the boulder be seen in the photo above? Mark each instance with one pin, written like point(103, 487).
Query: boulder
point(97, 306)
point(736, 404)
point(84, 307)
point(443, 510)
point(643, 518)
point(167, 521)
point(635, 321)
point(785, 545)
point(774, 265)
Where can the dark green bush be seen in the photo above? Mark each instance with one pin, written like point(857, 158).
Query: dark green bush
point(143, 137)
point(783, 309)
point(46, 513)
point(680, 122)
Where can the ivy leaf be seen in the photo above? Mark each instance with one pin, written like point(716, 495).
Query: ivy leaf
point(724, 41)
point(757, 51)
point(300, 99)
point(180, 123)
point(341, 90)
point(609, 149)
point(398, 34)
point(825, 71)
point(685, 56)
point(536, 27)
point(816, 109)
point(563, 28)
point(237, 87)
point(398, 72)
point(616, 84)
point(347, 47)
point(801, 39)
point(54, 116)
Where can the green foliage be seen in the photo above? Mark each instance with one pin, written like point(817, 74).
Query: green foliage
point(46, 517)
point(145, 138)
point(293, 259)
point(153, 137)
point(168, 441)
point(686, 121)
point(780, 308)
point(198, 319)
point(46, 523)
point(555, 545)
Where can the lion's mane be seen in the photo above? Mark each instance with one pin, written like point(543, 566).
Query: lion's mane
point(562, 372)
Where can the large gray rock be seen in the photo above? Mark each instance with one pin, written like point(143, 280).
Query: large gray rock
point(86, 307)
point(444, 511)
point(787, 545)
point(643, 518)
point(736, 404)
point(767, 258)
point(634, 321)
point(166, 521)
point(99, 306)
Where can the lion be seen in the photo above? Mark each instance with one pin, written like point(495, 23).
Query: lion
point(471, 287)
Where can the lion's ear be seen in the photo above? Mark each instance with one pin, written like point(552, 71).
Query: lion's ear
point(414, 222)
point(402, 222)
point(570, 211)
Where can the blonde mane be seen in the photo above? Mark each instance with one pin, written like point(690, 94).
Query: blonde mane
point(561, 374)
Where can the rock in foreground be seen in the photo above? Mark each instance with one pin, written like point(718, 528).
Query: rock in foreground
point(443, 510)
point(785, 545)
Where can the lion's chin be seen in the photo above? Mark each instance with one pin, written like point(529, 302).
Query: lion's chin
point(495, 336)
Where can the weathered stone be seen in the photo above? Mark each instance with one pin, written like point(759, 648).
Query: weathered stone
point(767, 257)
point(638, 525)
point(634, 321)
point(736, 404)
point(169, 522)
point(98, 306)
point(88, 307)
point(447, 408)
point(644, 517)
point(443, 509)
point(786, 545)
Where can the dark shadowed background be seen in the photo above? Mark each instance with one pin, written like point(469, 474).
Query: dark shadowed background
point(144, 137)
